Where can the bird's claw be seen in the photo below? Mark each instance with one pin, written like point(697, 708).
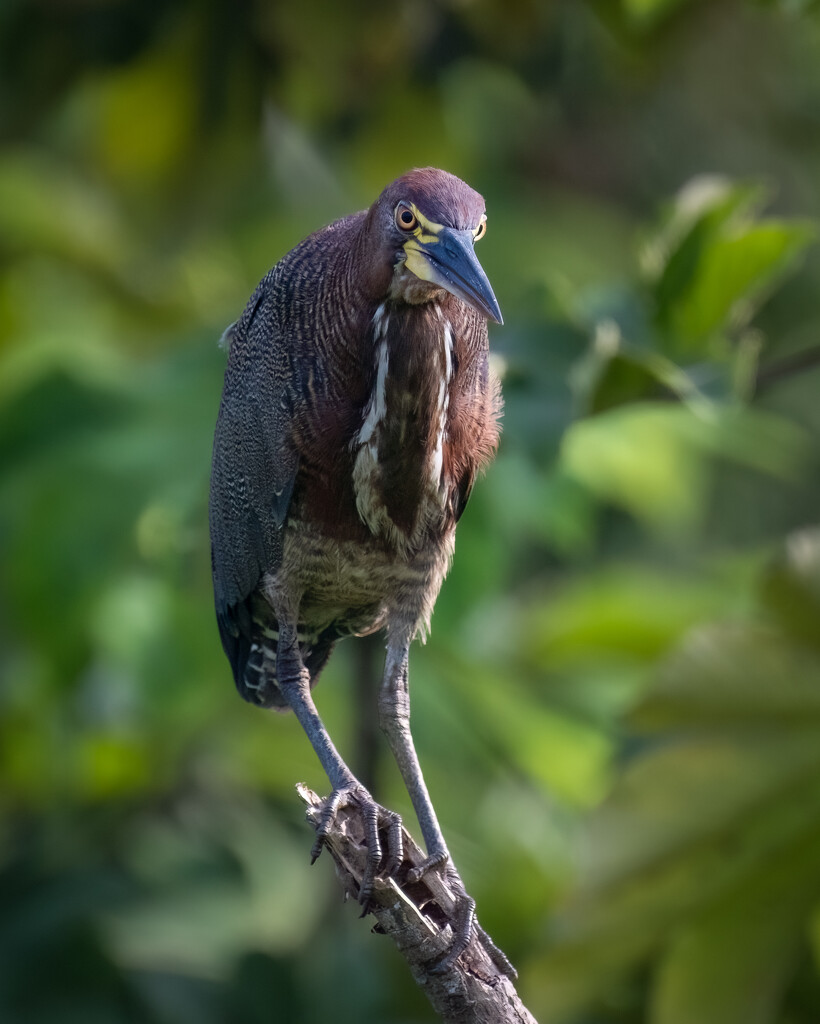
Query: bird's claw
point(375, 818)
point(384, 860)
point(431, 863)
point(463, 925)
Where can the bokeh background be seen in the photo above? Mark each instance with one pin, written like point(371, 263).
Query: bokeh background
point(619, 708)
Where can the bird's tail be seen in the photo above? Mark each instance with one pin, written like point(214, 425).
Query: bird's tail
point(250, 636)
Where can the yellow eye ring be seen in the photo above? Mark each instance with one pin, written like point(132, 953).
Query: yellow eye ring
point(481, 230)
point(406, 220)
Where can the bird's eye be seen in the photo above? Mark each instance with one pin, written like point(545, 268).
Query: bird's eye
point(481, 230)
point(405, 218)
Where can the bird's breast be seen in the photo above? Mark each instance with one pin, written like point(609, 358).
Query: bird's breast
point(398, 451)
point(358, 587)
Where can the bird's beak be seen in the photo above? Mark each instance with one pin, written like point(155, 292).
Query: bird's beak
point(449, 260)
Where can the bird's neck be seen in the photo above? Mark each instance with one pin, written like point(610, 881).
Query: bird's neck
point(406, 288)
point(399, 448)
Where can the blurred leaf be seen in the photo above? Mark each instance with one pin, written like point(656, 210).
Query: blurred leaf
point(734, 674)
point(146, 116)
point(667, 866)
point(736, 734)
point(636, 457)
point(301, 173)
point(701, 208)
point(55, 406)
point(791, 587)
point(649, 12)
point(46, 927)
point(718, 262)
point(731, 964)
point(550, 509)
point(643, 834)
point(614, 372)
point(618, 613)
point(576, 770)
point(622, 379)
point(112, 767)
point(651, 458)
point(216, 889)
point(734, 273)
point(45, 206)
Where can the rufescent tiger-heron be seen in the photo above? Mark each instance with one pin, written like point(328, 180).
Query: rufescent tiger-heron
point(358, 409)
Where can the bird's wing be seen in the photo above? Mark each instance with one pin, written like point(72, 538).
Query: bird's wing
point(254, 465)
point(462, 494)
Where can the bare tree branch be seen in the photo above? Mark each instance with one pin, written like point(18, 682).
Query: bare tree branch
point(421, 918)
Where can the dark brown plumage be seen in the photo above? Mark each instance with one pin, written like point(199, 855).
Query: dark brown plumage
point(358, 409)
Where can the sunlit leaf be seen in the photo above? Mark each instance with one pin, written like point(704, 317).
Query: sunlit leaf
point(636, 457)
point(716, 261)
point(734, 272)
point(651, 458)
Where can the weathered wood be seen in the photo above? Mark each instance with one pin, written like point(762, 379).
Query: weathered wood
point(420, 917)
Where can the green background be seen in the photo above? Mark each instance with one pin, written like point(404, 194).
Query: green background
point(619, 708)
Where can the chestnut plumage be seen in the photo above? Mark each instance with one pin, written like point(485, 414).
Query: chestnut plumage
point(358, 408)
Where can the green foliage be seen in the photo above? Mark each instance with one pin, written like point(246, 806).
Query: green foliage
point(619, 708)
point(709, 842)
point(715, 260)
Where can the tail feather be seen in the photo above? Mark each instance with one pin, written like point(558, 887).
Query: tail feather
point(250, 636)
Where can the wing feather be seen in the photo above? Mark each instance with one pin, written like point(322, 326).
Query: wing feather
point(254, 467)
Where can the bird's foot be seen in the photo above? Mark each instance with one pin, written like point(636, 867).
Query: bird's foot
point(463, 924)
point(436, 860)
point(385, 857)
point(382, 859)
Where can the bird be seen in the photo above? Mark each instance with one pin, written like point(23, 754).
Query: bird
point(359, 407)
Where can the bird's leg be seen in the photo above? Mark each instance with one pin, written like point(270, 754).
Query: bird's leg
point(394, 719)
point(294, 682)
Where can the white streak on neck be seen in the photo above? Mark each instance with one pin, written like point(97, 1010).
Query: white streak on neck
point(443, 405)
point(448, 351)
point(380, 321)
point(376, 406)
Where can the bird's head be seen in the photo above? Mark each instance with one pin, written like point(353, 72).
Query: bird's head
point(421, 234)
